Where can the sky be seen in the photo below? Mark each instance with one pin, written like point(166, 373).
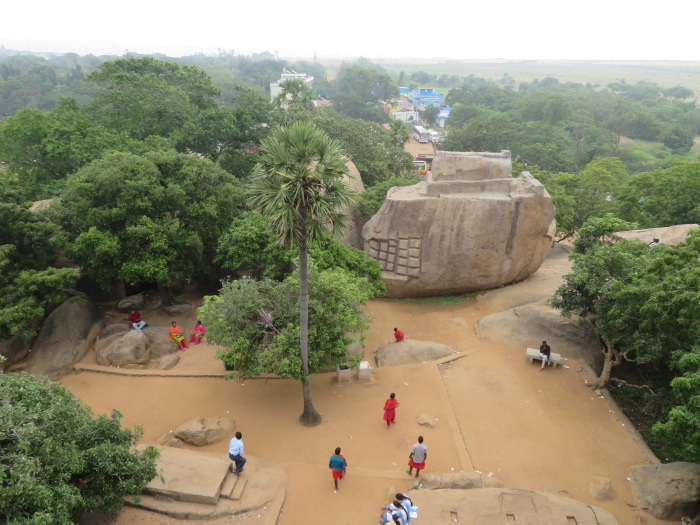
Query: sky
point(503, 29)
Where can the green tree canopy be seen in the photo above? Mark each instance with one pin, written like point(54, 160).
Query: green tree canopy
point(257, 322)
point(145, 96)
point(29, 245)
point(153, 218)
point(358, 89)
point(56, 461)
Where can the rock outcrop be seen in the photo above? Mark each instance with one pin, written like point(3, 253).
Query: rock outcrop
point(64, 338)
point(671, 235)
point(202, 431)
point(470, 226)
point(667, 492)
point(353, 233)
point(527, 325)
point(133, 302)
point(411, 351)
point(497, 505)
point(123, 349)
point(457, 481)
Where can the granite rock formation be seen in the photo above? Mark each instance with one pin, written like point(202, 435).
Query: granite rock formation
point(469, 226)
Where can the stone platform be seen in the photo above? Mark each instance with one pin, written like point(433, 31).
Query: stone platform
point(201, 485)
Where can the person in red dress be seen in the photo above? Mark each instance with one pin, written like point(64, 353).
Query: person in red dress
point(390, 410)
point(398, 334)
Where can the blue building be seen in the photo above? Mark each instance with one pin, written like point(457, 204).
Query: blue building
point(424, 97)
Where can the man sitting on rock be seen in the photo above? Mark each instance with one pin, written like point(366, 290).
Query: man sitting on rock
point(136, 320)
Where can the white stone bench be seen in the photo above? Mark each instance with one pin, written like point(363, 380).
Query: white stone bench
point(533, 354)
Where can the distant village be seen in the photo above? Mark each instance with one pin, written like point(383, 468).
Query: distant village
point(408, 108)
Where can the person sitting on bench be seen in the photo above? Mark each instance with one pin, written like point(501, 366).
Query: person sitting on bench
point(545, 352)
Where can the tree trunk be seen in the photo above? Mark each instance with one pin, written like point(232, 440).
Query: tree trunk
point(309, 417)
point(166, 294)
point(612, 358)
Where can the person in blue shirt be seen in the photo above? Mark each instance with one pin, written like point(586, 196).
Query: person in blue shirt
point(406, 503)
point(338, 465)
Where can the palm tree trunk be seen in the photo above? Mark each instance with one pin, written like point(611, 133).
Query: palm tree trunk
point(309, 417)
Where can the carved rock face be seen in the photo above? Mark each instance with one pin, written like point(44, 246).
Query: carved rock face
point(470, 226)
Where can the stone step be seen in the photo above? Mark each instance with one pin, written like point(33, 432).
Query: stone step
point(229, 483)
point(238, 489)
point(233, 486)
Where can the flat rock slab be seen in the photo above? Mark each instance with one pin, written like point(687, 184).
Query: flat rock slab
point(495, 506)
point(188, 476)
point(411, 351)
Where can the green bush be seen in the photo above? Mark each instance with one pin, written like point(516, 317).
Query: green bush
point(57, 461)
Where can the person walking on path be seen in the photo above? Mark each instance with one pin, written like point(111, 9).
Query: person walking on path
point(417, 457)
point(390, 410)
point(338, 465)
point(545, 352)
point(236, 451)
point(136, 320)
point(398, 335)
point(176, 335)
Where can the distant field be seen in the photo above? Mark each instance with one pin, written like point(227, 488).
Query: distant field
point(664, 73)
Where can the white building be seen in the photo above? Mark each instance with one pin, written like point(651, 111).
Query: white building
point(287, 74)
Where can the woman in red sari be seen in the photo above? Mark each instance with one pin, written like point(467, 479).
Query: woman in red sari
point(198, 333)
point(176, 335)
point(390, 410)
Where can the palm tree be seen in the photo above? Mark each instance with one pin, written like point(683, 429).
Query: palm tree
point(298, 186)
point(295, 92)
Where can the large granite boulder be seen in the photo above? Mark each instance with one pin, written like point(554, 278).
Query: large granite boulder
point(353, 232)
point(470, 226)
point(133, 302)
point(530, 324)
point(667, 492)
point(202, 431)
point(15, 349)
point(123, 349)
point(159, 342)
point(64, 338)
point(411, 351)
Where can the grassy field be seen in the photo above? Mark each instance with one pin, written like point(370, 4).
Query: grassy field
point(599, 73)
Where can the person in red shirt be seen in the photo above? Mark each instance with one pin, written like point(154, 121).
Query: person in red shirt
point(136, 320)
point(398, 334)
point(390, 410)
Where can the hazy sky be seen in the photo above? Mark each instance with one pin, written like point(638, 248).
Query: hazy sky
point(517, 29)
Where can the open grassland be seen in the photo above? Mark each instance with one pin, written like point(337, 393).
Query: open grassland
point(598, 72)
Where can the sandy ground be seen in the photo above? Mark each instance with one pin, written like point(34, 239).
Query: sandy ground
point(496, 413)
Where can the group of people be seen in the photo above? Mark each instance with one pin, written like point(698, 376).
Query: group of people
point(137, 322)
point(401, 511)
point(416, 460)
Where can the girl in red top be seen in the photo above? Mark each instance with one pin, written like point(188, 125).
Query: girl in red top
point(390, 410)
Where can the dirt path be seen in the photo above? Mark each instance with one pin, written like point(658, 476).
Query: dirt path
point(496, 413)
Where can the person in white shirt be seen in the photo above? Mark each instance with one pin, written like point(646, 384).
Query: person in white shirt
point(235, 452)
